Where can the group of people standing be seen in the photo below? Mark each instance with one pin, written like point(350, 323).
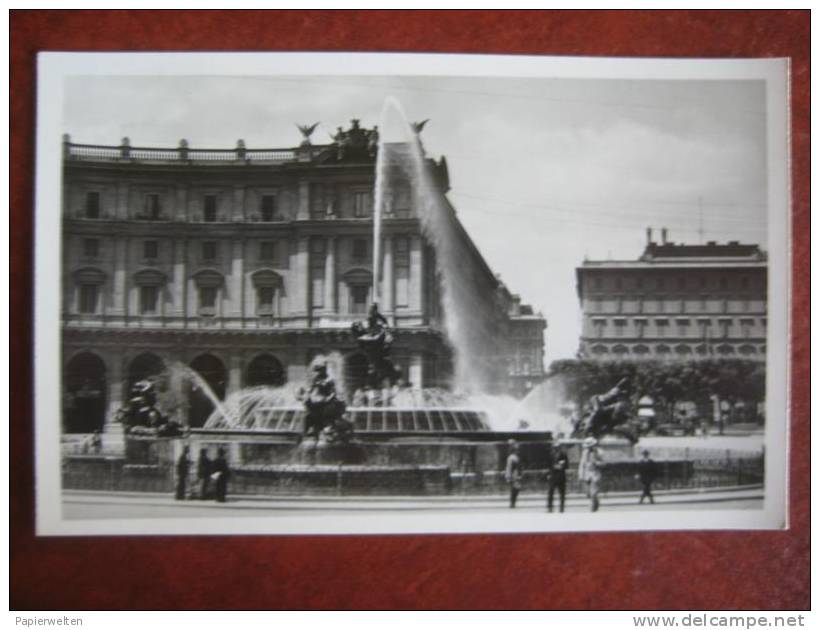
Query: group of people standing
point(590, 468)
point(207, 470)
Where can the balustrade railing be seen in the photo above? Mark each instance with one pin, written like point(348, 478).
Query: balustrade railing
point(125, 153)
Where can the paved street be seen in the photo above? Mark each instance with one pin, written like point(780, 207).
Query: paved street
point(100, 505)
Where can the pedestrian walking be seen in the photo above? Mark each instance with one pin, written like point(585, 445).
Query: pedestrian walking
point(559, 462)
point(512, 472)
point(183, 468)
point(221, 474)
point(203, 473)
point(646, 475)
point(589, 471)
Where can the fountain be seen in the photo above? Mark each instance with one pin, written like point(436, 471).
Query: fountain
point(427, 437)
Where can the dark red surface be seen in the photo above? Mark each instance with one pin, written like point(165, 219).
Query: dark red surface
point(711, 570)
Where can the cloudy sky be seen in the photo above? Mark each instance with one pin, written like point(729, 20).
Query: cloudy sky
point(544, 172)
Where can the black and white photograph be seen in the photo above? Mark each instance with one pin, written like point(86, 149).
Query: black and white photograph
point(360, 293)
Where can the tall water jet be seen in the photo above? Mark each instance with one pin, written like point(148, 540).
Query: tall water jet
point(469, 323)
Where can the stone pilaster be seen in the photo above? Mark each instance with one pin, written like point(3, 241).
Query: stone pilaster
point(416, 372)
point(180, 279)
point(303, 202)
point(238, 210)
point(234, 372)
point(120, 281)
point(181, 203)
point(237, 294)
point(330, 276)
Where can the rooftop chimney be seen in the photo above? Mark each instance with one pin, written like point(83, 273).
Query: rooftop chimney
point(649, 236)
point(663, 236)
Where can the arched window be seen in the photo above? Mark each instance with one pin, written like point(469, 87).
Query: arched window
point(200, 402)
point(84, 383)
point(265, 369)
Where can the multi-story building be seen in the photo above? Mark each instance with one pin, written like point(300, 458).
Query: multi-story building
point(676, 301)
point(244, 265)
point(526, 338)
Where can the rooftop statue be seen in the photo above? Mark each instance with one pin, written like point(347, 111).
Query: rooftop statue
point(356, 142)
point(418, 126)
point(306, 131)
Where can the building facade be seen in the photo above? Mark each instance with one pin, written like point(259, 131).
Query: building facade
point(675, 302)
point(243, 265)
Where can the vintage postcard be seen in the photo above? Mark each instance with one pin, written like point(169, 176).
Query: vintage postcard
point(372, 293)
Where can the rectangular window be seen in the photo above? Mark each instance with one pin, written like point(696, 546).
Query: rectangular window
point(620, 326)
point(268, 207)
point(600, 326)
point(402, 270)
point(746, 327)
point(661, 325)
point(209, 208)
point(360, 249)
point(358, 299)
point(150, 250)
point(92, 204)
point(402, 203)
point(149, 297)
point(362, 204)
point(264, 300)
point(91, 247)
point(683, 328)
point(640, 326)
point(267, 250)
point(207, 300)
point(88, 298)
point(209, 250)
point(704, 325)
point(725, 325)
point(152, 207)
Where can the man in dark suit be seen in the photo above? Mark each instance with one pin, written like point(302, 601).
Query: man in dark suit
point(557, 476)
point(646, 475)
point(203, 472)
point(183, 467)
point(222, 474)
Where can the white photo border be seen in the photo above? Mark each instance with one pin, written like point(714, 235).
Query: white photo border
point(53, 70)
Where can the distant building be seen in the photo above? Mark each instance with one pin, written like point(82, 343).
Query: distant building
point(675, 302)
point(243, 264)
point(526, 351)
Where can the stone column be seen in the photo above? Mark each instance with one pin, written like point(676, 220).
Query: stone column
point(330, 276)
point(120, 281)
point(115, 387)
point(300, 292)
point(416, 372)
point(180, 279)
point(303, 203)
point(234, 372)
point(416, 284)
point(387, 305)
point(237, 297)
